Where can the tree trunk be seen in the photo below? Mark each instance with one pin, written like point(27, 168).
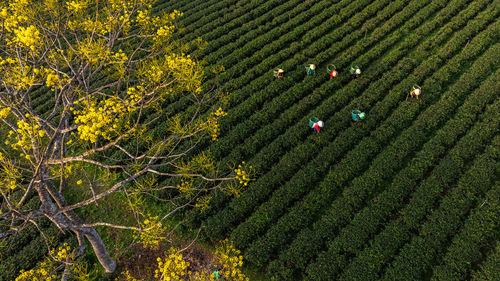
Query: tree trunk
point(99, 248)
point(69, 220)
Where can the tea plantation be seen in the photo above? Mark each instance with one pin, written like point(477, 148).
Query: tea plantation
point(409, 193)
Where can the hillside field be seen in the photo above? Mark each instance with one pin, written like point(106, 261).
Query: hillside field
point(410, 193)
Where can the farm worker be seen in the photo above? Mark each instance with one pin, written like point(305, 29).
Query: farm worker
point(217, 275)
point(278, 73)
point(310, 69)
point(355, 71)
point(315, 124)
point(331, 69)
point(415, 92)
point(357, 115)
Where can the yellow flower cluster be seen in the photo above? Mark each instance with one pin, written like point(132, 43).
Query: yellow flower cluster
point(172, 267)
point(4, 13)
point(242, 175)
point(100, 119)
point(16, 76)
point(119, 15)
point(27, 36)
point(120, 4)
point(231, 261)
point(175, 14)
point(4, 111)
point(15, 14)
point(9, 175)
point(7, 61)
point(7, 185)
point(135, 95)
point(76, 6)
point(27, 132)
point(203, 202)
point(219, 112)
point(164, 31)
point(143, 18)
point(9, 22)
point(94, 51)
point(89, 25)
point(186, 71)
point(45, 272)
point(119, 57)
point(186, 186)
point(63, 253)
point(124, 21)
point(126, 276)
point(212, 124)
point(155, 74)
point(153, 232)
point(177, 61)
point(53, 80)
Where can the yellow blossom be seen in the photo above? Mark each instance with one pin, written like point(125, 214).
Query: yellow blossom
point(172, 267)
point(4, 111)
point(27, 36)
point(153, 231)
point(97, 119)
point(75, 6)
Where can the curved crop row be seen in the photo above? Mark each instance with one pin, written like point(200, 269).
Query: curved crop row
point(352, 238)
point(371, 260)
point(415, 259)
point(179, 105)
point(185, 5)
point(227, 42)
point(309, 240)
point(305, 177)
point(467, 248)
point(292, 162)
point(279, 102)
point(208, 11)
point(274, 41)
point(383, 246)
point(215, 29)
point(290, 97)
point(298, 90)
point(273, 131)
point(372, 9)
point(383, 167)
point(251, 89)
point(294, 138)
point(327, 109)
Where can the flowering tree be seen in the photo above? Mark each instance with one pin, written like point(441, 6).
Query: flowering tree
point(102, 69)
